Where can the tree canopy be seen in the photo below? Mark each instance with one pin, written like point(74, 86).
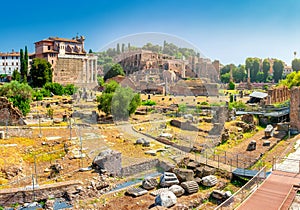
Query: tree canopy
point(296, 64)
point(292, 79)
point(115, 70)
point(266, 69)
point(119, 101)
point(40, 72)
point(277, 70)
point(19, 94)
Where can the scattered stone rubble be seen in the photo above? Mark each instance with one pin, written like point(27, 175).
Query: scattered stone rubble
point(251, 145)
point(149, 183)
point(166, 199)
point(209, 181)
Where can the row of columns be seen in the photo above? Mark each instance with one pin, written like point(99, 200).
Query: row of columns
point(91, 70)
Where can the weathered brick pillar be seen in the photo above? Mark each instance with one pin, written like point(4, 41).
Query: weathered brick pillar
point(295, 108)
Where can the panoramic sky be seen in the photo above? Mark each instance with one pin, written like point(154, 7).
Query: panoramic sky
point(228, 30)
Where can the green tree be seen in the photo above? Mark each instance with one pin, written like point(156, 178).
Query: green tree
point(90, 51)
point(16, 75)
point(253, 65)
point(292, 79)
point(231, 86)
point(118, 101)
point(182, 108)
point(296, 64)
point(70, 89)
point(115, 70)
point(124, 103)
point(110, 87)
point(22, 63)
point(239, 73)
point(19, 94)
point(118, 49)
point(151, 47)
point(277, 70)
point(123, 47)
point(225, 69)
point(100, 81)
point(40, 72)
point(225, 78)
point(266, 68)
point(55, 88)
point(25, 65)
point(129, 48)
point(260, 77)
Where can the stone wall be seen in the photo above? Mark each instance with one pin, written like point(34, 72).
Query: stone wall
point(139, 167)
point(27, 195)
point(295, 108)
point(10, 114)
point(82, 71)
point(278, 95)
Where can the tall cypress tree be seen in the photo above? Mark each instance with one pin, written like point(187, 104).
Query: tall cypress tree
point(118, 49)
point(25, 65)
point(22, 64)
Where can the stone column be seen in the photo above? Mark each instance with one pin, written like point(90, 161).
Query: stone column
point(87, 71)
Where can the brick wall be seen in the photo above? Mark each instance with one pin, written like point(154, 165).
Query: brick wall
point(278, 95)
point(295, 108)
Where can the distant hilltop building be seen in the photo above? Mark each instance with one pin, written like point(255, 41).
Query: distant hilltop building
point(70, 62)
point(9, 62)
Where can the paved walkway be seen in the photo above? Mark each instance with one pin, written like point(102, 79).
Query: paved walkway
point(277, 191)
point(292, 162)
point(273, 193)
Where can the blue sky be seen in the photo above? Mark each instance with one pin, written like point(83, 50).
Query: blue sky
point(228, 30)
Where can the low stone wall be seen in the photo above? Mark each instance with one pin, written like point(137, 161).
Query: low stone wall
point(139, 167)
point(145, 166)
point(27, 195)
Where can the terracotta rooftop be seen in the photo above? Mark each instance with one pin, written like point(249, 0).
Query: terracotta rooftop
point(63, 39)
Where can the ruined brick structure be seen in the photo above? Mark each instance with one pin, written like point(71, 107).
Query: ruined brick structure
point(10, 114)
point(133, 61)
point(295, 109)
point(278, 95)
point(70, 62)
point(192, 67)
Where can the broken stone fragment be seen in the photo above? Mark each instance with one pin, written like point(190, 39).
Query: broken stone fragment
point(149, 183)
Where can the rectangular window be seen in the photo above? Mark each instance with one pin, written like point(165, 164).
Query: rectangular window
point(3, 64)
point(3, 57)
point(6, 63)
point(12, 63)
point(48, 47)
point(17, 64)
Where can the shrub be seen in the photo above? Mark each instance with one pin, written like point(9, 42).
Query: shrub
point(148, 103)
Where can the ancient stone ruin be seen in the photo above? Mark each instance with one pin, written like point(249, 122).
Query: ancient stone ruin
point(10, 114)
point(295, 108)
point(110, 161)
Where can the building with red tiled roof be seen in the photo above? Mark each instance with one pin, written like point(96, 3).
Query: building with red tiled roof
point(70, 62)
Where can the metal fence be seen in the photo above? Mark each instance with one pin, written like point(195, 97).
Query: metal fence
point(244, 192)
point(222, 159)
